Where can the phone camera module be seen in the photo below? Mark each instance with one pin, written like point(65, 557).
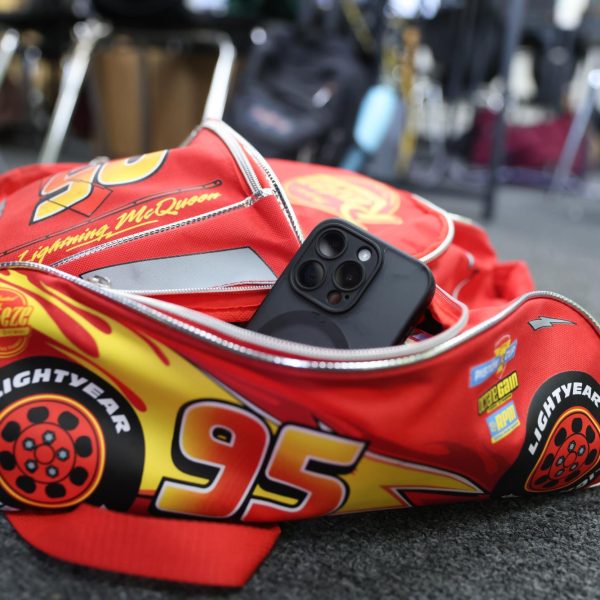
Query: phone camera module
point(310, 275)
point(331, 244)
point(349, 275)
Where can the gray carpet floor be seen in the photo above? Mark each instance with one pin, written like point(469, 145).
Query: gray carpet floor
point(519, 548)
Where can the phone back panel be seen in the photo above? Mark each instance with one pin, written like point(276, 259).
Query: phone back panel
point(387, 309)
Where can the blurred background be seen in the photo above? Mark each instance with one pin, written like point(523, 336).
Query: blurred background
point(452, 97)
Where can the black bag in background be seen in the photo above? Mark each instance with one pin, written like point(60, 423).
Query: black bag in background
point(300, 91)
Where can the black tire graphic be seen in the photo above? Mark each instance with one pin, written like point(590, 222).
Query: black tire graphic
point(571, 452)
point(561, 449)
point(58, 444)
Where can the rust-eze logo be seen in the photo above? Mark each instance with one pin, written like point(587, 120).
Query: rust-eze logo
point(14, 323)
point(356, 199)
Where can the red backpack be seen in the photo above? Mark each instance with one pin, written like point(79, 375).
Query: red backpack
point(130, 390)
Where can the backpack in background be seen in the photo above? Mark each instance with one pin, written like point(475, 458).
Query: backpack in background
point(300, 91)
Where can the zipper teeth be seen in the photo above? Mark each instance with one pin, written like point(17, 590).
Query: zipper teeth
point(240, 158)
point(207, 290)
point(277, 187)
point(340, 360)
point(136, 236)
point(303, 350)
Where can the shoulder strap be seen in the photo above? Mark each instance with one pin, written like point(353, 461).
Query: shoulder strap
point(187, 551)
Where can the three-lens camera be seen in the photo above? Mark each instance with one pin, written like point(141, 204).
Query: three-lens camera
point(337, 269)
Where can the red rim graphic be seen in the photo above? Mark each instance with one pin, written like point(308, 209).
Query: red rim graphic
point(52, 451)
point(572, 451)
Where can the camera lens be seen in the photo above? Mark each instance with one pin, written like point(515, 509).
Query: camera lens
point(348, 276)
point(331, 244)
point(310, 275)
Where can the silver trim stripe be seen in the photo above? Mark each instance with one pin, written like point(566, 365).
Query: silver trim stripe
point(449, 236)
point(316, 359)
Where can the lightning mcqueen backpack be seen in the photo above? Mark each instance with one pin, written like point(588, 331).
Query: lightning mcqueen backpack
point(130, 390)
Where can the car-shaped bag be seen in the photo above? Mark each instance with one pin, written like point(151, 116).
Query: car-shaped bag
point(130, 390)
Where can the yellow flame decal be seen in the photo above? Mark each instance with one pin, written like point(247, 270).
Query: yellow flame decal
point(158, 382)
point(356, 199)
point(378, 482)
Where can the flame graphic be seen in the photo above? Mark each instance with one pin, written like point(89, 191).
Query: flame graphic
point(379, 482)
point(354, 198)
point(158, 382)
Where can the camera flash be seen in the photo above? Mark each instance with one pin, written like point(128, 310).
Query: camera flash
point(364, 255)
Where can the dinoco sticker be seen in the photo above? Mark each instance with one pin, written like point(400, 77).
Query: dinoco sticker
point(561, 450)
point(505, 349)
point(14, 322)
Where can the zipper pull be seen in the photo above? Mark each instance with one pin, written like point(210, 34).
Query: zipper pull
point(99, 280)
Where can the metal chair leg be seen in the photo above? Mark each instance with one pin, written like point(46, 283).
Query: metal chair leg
point(9, 44)
point(87, 34)
point(581, 120)
point(221, 79)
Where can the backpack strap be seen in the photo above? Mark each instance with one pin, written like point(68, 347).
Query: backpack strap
point(187, 551)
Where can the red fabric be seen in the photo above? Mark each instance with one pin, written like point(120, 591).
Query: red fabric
point(396, 216)
point(127, 223)
point(15, 179)
point(161, 206)
point(198, 552)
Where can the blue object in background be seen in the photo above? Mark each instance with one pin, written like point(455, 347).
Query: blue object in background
point(376, 114)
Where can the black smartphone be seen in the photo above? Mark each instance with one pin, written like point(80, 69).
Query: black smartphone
point(345, 288)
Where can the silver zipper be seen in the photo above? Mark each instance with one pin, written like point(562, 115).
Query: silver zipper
point(304, 350)
point(280, 194)
point(220, 289)
point(313, 358)
point(225, 135)
point(136, 236)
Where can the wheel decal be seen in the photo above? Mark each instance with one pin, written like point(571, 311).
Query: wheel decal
point(572, 451)
point(52, 451)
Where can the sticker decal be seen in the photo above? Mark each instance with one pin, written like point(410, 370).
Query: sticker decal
point(561, 449)
point(502, 422)
point(505, 349)
point(497, 395)
point(15, 331)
